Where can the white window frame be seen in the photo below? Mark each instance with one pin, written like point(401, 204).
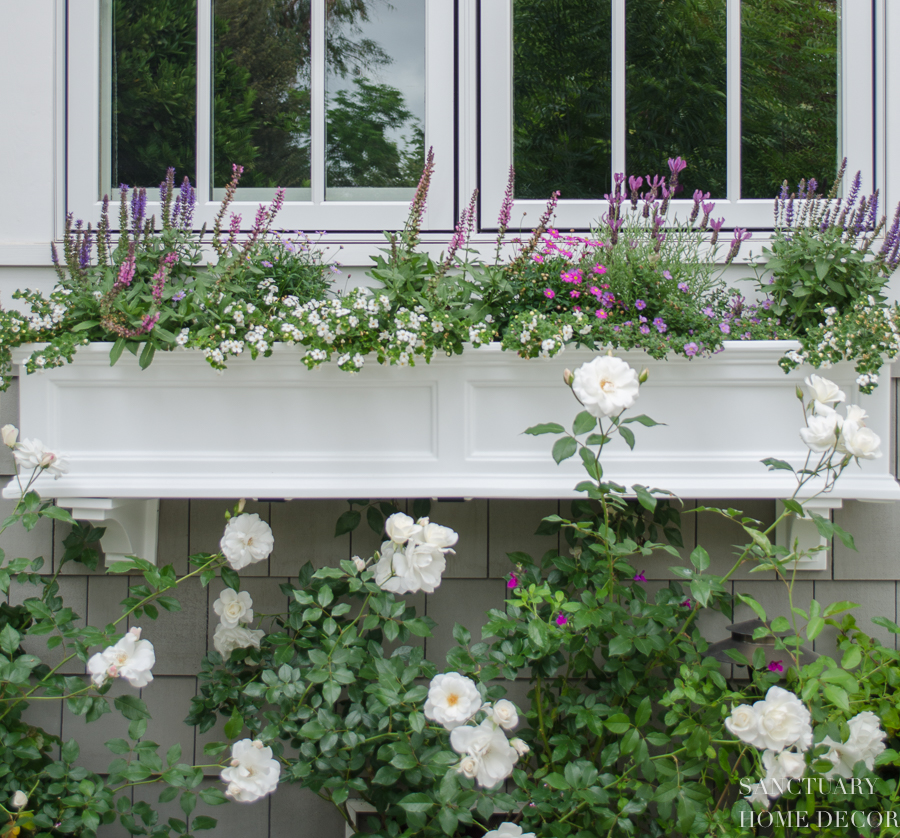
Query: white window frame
point(858, 115)
point(84, 129)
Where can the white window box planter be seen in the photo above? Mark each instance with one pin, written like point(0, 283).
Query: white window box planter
point(451, 428)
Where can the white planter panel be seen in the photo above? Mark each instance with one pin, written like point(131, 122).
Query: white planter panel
point(452, 428)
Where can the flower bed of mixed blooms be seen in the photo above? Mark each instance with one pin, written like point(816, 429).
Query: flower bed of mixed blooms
point(632, 728)
point(639, 279)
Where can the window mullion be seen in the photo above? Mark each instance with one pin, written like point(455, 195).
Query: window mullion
point(618, 86)
point(204, 99)
point(733, 100)
point(317, 104)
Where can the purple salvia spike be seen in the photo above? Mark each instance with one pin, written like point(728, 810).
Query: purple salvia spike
point(811, 188)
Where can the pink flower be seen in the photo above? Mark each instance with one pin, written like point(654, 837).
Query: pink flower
point(561, 619)
point(549, 293)
point(574, 294)
point(776, 666)
point(599, 269)
point(640, 577)
point(640, 305)
point(513, 582)
point(537, 258)
point(687, 603)
point(601, 314)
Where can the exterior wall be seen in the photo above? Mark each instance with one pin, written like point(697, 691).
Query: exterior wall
point(31, 213)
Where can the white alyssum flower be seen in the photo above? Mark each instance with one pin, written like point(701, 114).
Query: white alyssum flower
point(782, 721)
point(247, 539)
point(823, 390)
point(19, 800)
point(32, 453)
point(489, 745)
point(234, 608)
point(508, 830)
point(605, 386)
point(9, 434)
point(228, 638)
point(504, 713)
point(859, 441)
point(821, 433)
point(252, 773)
point(131, 658)
point(452, 700)
point(400, 528)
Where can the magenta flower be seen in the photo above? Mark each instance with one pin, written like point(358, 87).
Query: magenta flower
point(683, 287)
point(676, 165)
point(561, 619)
point(603, 315)
point(645, 329)
point(776, 666)
point(549, 293)
point(687, 603)
point(574, 294)
point(537, 258)
point(513, 582)
point(691, 349)
point(640, 305)
point(639, 577)
point(725, 328)
point(599, 269)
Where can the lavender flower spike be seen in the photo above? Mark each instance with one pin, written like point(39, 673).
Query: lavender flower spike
point(715, 225)
point(676, 166)
point(740, 235)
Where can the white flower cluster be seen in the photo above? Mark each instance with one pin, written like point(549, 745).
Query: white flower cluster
point(235, 610)
point(488, 756)
point(131, 658)
point(780, 727)
point(413, 559)
point(252, 772)
point(32, 454)
point(826, 430)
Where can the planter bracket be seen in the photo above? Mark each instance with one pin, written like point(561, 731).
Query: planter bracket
point(131, 524)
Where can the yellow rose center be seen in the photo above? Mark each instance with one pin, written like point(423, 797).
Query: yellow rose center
point(452, 699)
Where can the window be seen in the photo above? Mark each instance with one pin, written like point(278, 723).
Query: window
point(336, 100)
point(749, 92)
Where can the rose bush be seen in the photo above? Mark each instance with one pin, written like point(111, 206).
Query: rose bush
point(630, 728)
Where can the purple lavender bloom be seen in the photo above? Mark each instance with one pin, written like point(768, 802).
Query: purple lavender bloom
point(691, 349)
point(178, 296)
point(619, 178)
point(84, 256)
point(676, 166)
point(811, 187)
point(715, 225)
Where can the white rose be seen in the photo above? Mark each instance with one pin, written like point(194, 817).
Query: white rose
point(743, 724)
point(859, 442)
point(228, 638)
point(452, 700)
point(520, 746)
point(856, 414)
point(400, 528)
point(823, 390)
point(842, 758)
point(359, 563)
point(488, 744)
point(252, 772)
point(234, 608)
point(821, 433)
point(784, 765)
point(504, 714)
point(32, 454)
point(436, 535)
point(417, 568)
point(758, 795)
point(9, 435)
point(468, 767)
point(131, 658)
point(508, 830)
point(384, 569)
point(866, 736)
point(19, 799)
point(247, 539)
point(605, 386)
point(782, 720)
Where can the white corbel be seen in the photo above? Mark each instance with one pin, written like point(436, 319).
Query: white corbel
point(131, 524)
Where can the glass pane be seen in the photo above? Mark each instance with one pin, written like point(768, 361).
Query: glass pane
point(261, 91)
point(149, 88)
point(562, 101)
point(375, 99)
point(675, 91)
point(789, 94)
